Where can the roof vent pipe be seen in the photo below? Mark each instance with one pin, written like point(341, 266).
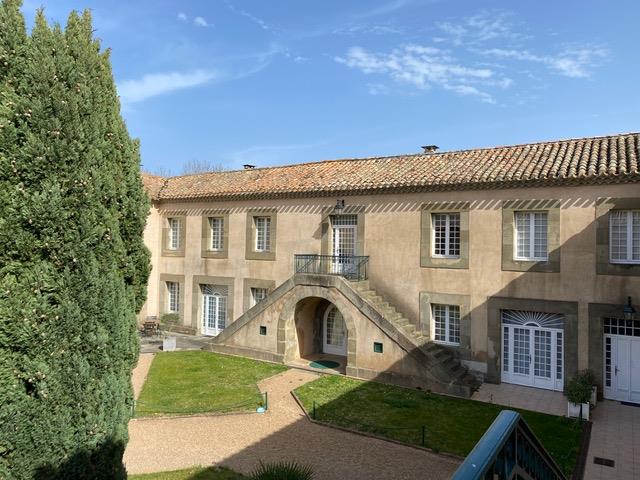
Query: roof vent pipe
point(430, 148)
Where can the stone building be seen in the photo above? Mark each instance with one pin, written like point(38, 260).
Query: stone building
point(514, 264)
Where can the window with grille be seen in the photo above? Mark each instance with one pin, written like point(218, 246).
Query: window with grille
point(263, 234)
point(257, 295)
point(624, 236)
point(446, 323)
point(217, 227)
point(174, 233)
point(173, 303)
point(446, 234)
point(531, 236)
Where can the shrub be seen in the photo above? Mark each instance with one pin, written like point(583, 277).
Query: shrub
point(73, 266)
point(170, 319)
point(282, 470)
point(578, 390)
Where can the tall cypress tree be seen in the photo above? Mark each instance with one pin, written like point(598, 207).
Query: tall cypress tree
point(73, 266)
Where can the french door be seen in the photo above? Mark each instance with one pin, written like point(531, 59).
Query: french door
point(532, 355)
point(622, 360)
point(344, 236)
point(334, 332)
point(214, 313)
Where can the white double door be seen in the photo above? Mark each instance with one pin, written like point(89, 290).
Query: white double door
point(532, 356)
point(214, 314)
point(334, 333)
point(622, 368)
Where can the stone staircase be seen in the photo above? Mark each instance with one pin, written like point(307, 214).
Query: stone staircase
point(442, 362)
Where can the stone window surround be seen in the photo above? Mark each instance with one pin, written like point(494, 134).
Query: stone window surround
point(206, 234)
point(326, 247)
point(196, 298)
point(597, 313)
point(509, 208)
point(603, 265)
point(495, 305)
point(164, 294)
point(166, 251)
point(248, 284)
point(427, 260)
point(250, 252)
point(427, 299)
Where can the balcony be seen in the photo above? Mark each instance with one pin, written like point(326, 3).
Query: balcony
point(351, 267)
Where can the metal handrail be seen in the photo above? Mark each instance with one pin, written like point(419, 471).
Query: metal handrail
point(352, 267)
point(509, 449)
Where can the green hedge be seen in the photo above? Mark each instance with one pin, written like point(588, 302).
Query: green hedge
point(73, 266)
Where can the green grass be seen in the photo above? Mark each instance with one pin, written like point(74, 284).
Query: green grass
point(191, 382)
point(453, 425)
point(196, 473)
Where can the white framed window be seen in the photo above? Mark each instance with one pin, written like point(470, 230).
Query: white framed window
point(446, 235)
point(216, 224)
point(446, 323)
point(258, 294)
point(624, 236)
point(175, 225)
point(530, 233)
point(173, 297)
point(263, 234)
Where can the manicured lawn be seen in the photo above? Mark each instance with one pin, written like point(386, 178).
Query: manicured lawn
point(197, 382)
point(453, 425)
point(196, 473)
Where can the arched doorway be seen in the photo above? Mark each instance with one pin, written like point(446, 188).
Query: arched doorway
point(334, 332)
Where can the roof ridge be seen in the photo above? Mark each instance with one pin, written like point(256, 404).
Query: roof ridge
point(389, 157)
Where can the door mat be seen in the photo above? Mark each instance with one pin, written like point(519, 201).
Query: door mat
point(322, 364)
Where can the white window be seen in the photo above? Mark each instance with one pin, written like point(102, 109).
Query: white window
point(174, 233)
point(173, 303)
point(217, 227)
point(263, 234)
point(446, 323)
point(531, 236)
point(446, 234)
point(624, 236)
point(257, 295)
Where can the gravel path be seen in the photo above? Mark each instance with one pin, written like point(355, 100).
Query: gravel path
point(139, 374)
point(241, 441)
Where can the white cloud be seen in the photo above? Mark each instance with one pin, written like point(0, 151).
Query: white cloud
point(258, 21)
point(483, 27)
point(386, 8)
point(154, 84)
point(423, 67)
point(572, 61)
point(182, 16)
point(200, 22)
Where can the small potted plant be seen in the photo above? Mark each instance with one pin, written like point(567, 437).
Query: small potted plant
point(578, 393)
point(590, 378)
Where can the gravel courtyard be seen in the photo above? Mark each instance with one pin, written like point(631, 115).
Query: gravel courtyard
point(241, 441)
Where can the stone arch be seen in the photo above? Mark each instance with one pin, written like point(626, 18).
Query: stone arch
point(287, 335)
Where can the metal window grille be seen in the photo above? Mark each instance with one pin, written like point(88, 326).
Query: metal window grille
point(624, 236)
point(217, 227)
point(263, 234)
point(505, 349)
point(446, 234)
point(335, 328)
point(531, 232)
point(174, 233)
point(174, 297)
point(215, 305)
point(258, 294)
point(446, 323)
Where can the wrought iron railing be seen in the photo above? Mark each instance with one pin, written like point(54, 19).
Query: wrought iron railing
point(508, 450)
point(349, 266)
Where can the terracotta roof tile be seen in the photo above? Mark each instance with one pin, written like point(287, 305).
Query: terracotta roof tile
point(610, 159)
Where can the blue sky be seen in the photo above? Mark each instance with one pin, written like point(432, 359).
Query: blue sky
point(276, 82)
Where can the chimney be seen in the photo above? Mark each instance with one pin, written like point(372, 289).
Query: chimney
point(248, 166)
point(430, 148)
